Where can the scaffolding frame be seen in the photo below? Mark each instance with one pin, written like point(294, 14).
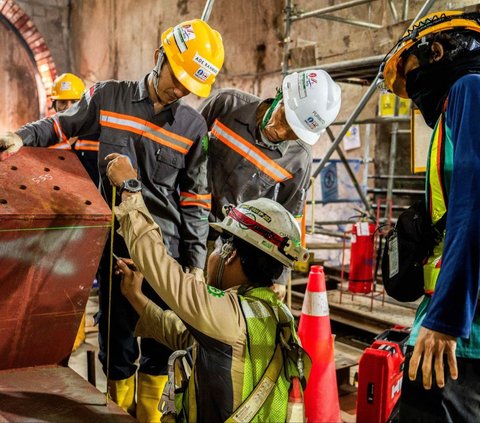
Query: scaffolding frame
point(292, 14)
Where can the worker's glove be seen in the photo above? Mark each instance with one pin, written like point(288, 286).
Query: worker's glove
point(280, 290)
point(10, 143)
point(197, 272)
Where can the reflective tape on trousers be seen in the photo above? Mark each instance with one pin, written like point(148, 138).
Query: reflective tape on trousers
point(315, 304)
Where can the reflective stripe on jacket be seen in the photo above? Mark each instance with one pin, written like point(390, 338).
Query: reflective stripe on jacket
point(241, 166)
point(166, 148)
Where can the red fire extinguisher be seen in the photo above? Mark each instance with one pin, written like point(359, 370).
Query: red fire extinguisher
point(360, 277)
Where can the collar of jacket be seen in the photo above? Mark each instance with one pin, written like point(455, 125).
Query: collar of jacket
point(141, 94)
point(248, 117)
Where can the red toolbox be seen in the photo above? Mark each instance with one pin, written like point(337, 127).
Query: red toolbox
point(380, 374)
point(53, 228)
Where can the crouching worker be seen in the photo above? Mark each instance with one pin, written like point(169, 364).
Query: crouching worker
point(245, 348)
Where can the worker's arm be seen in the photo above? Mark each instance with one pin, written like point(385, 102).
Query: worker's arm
point(453, 306)
point(162, 325)
point(195, 201)
point(80, 120)
point(207, 312)
point(459, 279)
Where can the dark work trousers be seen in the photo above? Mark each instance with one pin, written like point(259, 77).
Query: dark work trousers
point(89, 160)
point(458, 402)
point(124, 349)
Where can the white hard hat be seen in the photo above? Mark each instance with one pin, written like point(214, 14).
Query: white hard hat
point(312, 102)
point(266, 225)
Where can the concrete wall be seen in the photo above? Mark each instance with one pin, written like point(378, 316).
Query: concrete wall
point(51, 19)
point(118, 38)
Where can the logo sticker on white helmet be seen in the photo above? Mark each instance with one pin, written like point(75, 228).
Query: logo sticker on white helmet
point(311, 122)
point(260, 213)
point(322, 121)
point(310, 79)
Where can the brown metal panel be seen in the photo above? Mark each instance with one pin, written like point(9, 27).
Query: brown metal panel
point(53, 227)
point(54, 394)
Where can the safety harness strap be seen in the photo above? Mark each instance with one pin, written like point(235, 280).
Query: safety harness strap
point(252, 404)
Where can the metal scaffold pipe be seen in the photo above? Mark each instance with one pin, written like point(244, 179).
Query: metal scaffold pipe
point(329, 9)
point(207, 10)
point(286, 36)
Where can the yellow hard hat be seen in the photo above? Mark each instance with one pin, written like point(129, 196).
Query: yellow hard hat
point(67, 87)
point(434, 22)
point(195, 53)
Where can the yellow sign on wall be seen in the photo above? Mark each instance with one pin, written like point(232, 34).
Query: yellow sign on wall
point(386, 107)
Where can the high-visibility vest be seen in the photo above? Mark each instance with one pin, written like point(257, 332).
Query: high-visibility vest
point(263, 313)
point(439, 170)
point(266, 318)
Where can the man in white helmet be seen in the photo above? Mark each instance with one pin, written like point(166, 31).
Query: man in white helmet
point(236, 324)
point(262, 148)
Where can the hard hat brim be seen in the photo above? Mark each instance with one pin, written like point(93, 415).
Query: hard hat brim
point(217, 226)
point(306, 136)
point(191, 84)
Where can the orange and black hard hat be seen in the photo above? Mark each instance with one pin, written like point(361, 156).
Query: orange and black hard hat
point(393, 75)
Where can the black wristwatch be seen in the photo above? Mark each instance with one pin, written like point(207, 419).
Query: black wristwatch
point(130, 185)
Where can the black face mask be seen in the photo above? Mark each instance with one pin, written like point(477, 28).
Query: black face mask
point(428, 86)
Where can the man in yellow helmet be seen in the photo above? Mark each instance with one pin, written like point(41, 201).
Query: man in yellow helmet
point(162, 136)
point(67, 89)
point(437, 65)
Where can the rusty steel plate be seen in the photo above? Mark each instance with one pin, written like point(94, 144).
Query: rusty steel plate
point(54, 394)
point(53, 228)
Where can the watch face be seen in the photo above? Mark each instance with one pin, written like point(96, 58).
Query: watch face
point(132, 185)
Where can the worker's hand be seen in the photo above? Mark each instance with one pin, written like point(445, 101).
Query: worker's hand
point(432, 346)
point(131, 285)
point(197, 272)
point(280, 290)
point(10, 143)
point(119, 169)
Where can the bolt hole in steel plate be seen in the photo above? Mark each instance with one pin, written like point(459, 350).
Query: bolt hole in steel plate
point(48, 173)
point(52, 234)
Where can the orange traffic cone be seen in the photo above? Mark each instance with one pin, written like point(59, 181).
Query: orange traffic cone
point(295, 410)
point(321, 394)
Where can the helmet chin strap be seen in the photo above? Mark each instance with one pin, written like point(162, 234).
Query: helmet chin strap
point(156, 70)
point(272, 108)
point(225, 252)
